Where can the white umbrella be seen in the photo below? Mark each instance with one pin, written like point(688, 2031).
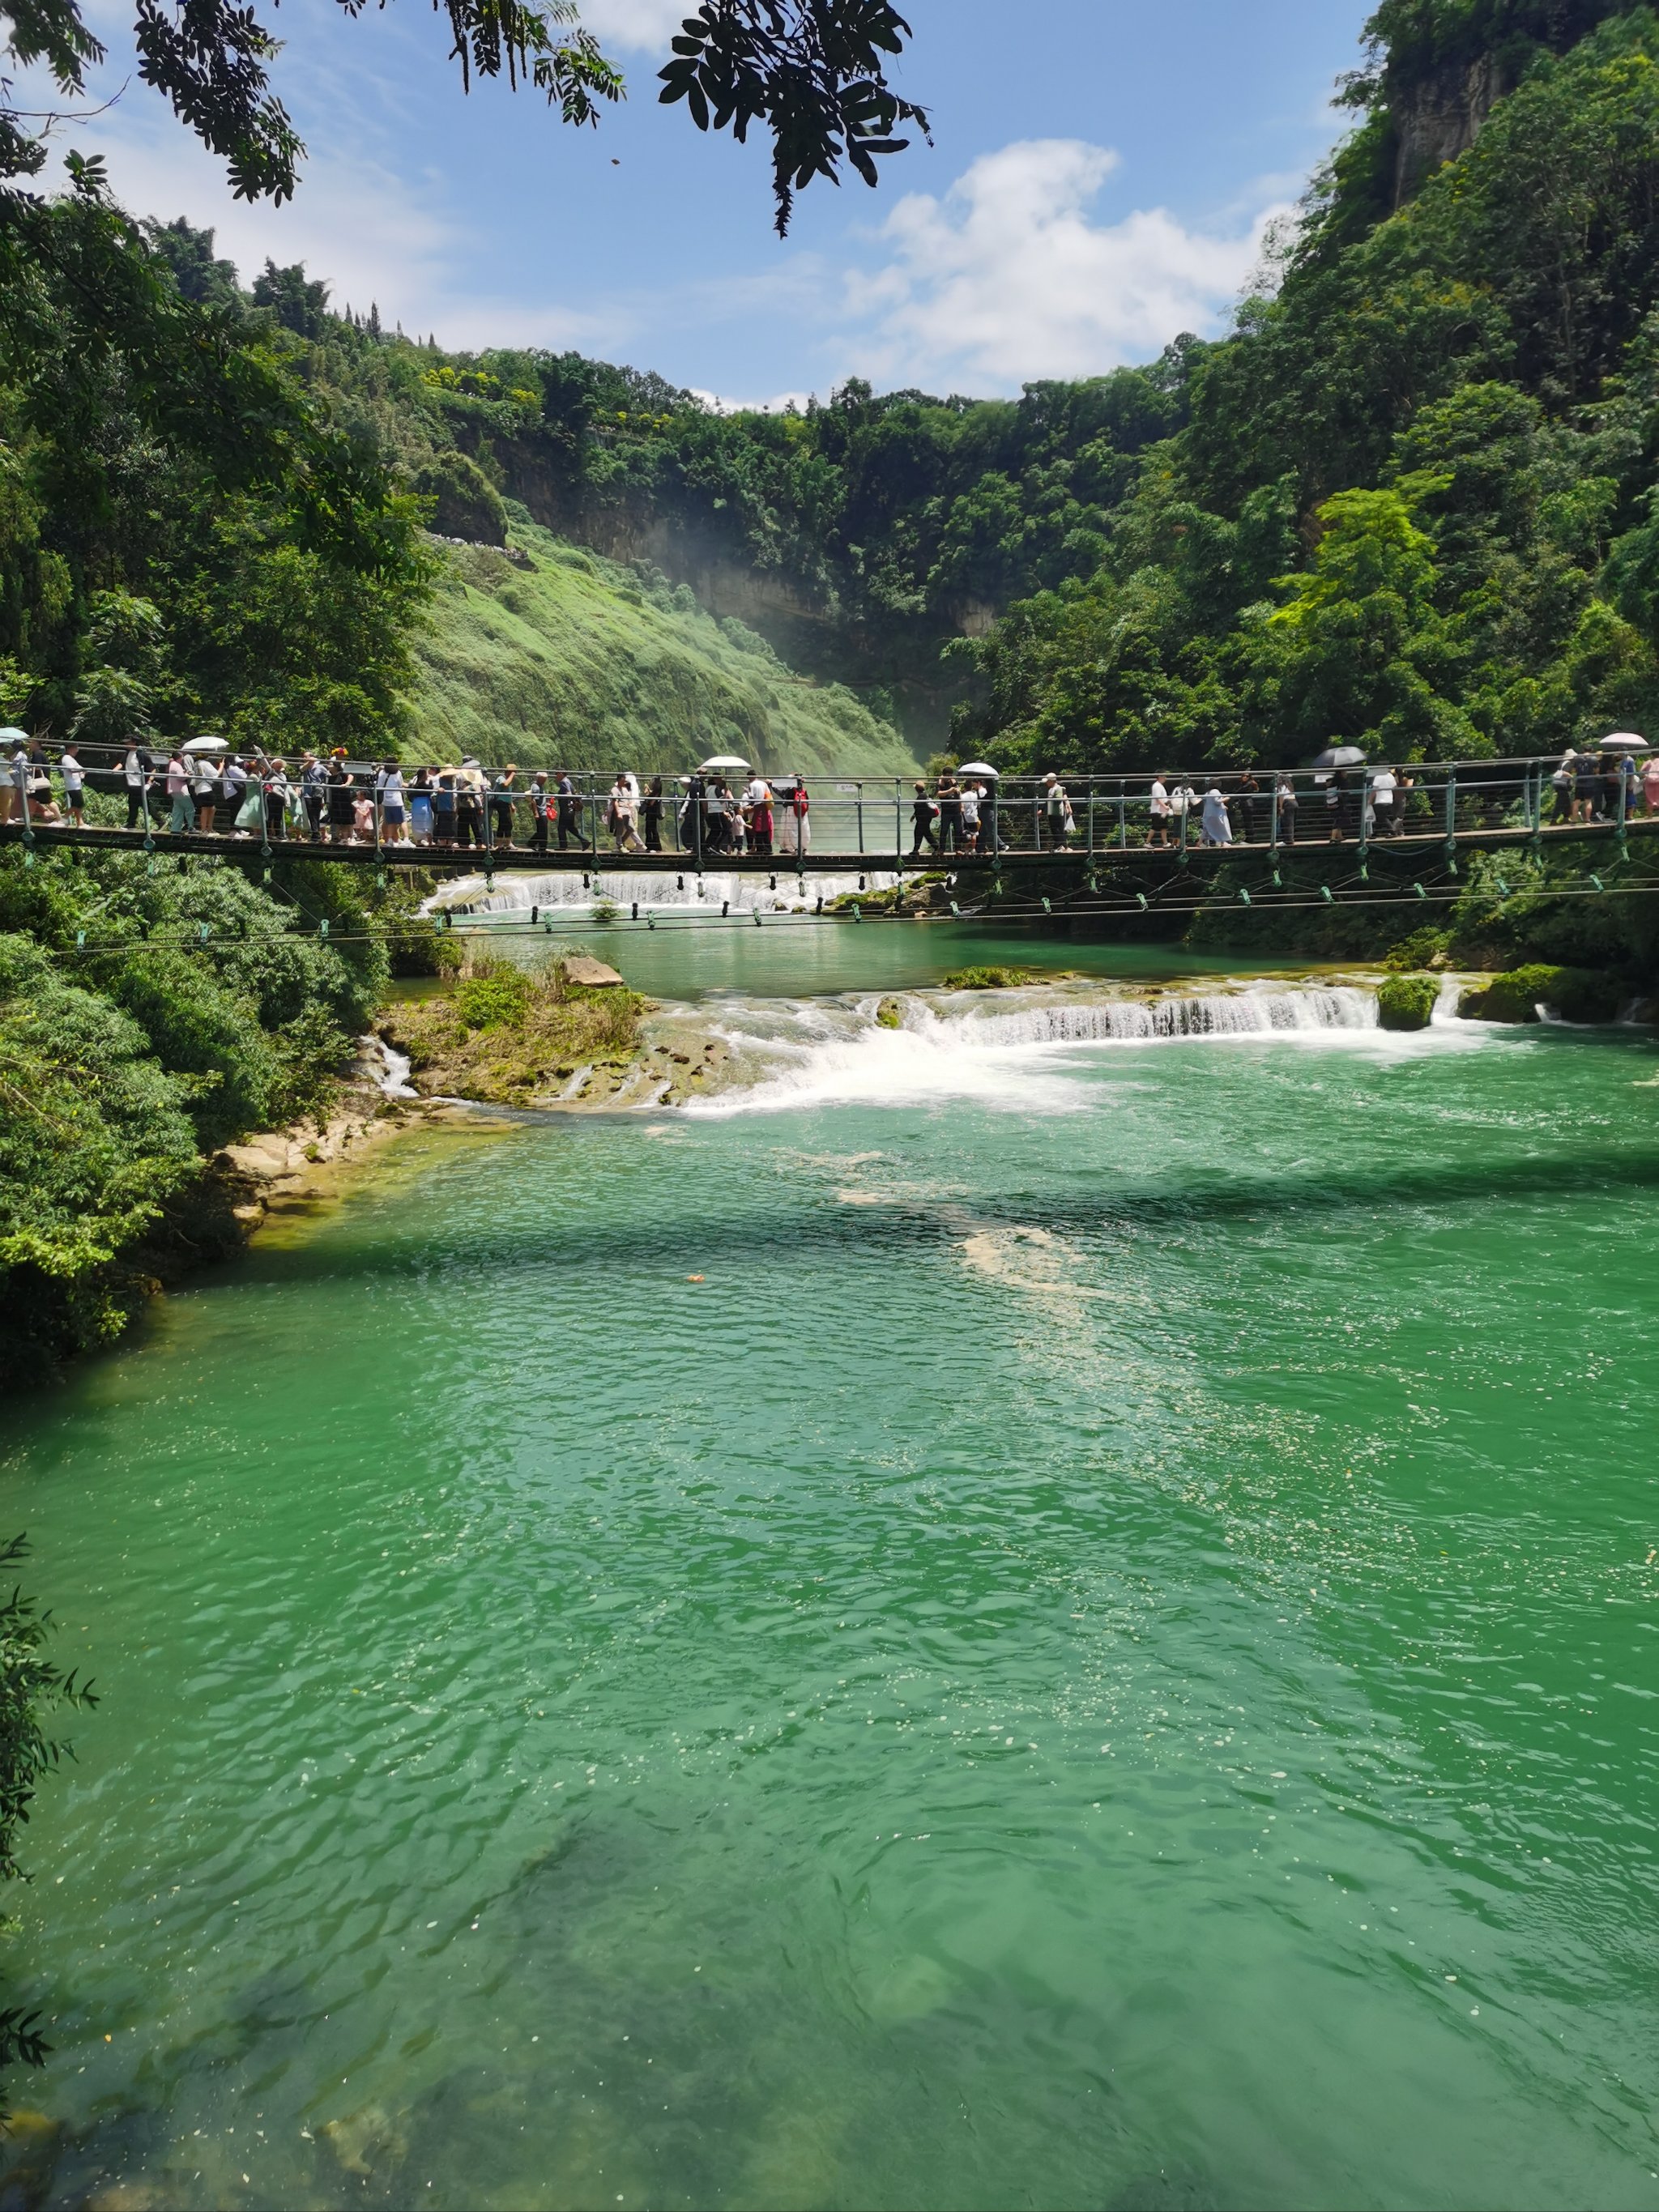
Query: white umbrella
point(206, 745)
point(8, 736)
point(722, 760)
point(1622, 741)
point(1341, 756)
point(978, 768)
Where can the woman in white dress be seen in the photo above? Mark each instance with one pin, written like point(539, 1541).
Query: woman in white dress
point(1217, 827)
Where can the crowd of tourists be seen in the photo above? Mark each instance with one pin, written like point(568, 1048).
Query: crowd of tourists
point(1603, 787)
point(327, 799)
point(967, 816)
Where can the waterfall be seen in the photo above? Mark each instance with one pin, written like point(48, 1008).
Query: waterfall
point(1013, 1049)
point(565, 892)
point(1231, 1013)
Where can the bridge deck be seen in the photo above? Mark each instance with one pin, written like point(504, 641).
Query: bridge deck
point(249, 847)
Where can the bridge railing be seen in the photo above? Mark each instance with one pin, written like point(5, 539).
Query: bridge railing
point(887, 821)
point(878, 821)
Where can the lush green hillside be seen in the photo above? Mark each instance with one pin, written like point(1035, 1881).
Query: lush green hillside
point(564, 658)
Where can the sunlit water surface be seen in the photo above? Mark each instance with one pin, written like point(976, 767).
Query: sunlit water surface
point(1080, 1636)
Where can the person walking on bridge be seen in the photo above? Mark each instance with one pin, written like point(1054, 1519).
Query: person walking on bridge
point(469, 804)
point(313, 793)
point(339, 797)
point(133, 770)
point(620, 815)
point(74, 778)
point(443, 807)
point(757, 801)
point(501, 807)
point(951, 832)
point(235, 782)
point(275, 785)
point(569, 815)
point(541, 805)
point(1056, 811)
point(393, 814)
point(1218, 828)
point(1157, 837)
point(181, 817)
point(922, 820)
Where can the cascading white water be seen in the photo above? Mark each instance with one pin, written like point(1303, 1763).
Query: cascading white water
point(393, 1072)
point(1234, 1013)
point(686, 892)
point(1008, 1054)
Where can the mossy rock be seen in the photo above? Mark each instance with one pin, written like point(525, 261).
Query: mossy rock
point(1576, 995)
point(985, 979)
point(889, 1015)
point(1407, 1002)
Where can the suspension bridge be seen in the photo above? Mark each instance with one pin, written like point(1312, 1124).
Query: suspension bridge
point(1105, 849)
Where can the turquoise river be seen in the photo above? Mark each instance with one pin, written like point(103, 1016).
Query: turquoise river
point(1009, 1613)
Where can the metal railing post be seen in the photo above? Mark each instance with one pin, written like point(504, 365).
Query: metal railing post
point(1092, 817)
point(859, 803)
point(1122, 818)
point(1451, 820)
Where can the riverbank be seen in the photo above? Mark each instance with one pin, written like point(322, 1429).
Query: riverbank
point(314, 1159)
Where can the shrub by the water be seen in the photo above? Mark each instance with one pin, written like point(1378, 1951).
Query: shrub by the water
point(1416, 951)
point(1407, 1002)
point(498, 1000)
point(200, 1008)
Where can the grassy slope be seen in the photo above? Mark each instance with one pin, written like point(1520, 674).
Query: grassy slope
point(576, 662)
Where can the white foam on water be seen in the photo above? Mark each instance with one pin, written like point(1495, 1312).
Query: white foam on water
point(685, 892)
point(393, 1076)
point(1006, 1055)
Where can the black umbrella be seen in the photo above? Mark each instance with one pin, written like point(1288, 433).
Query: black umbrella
point(1341, 756)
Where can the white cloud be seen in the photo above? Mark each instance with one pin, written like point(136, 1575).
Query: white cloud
point(1007, 278)
point(646, 26)
point(373, 232)
point(779, 404)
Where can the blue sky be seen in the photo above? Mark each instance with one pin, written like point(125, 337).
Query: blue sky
point(1101, 179)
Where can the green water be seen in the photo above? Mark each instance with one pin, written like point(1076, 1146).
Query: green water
point(686, 957)
point(1105, 1656)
